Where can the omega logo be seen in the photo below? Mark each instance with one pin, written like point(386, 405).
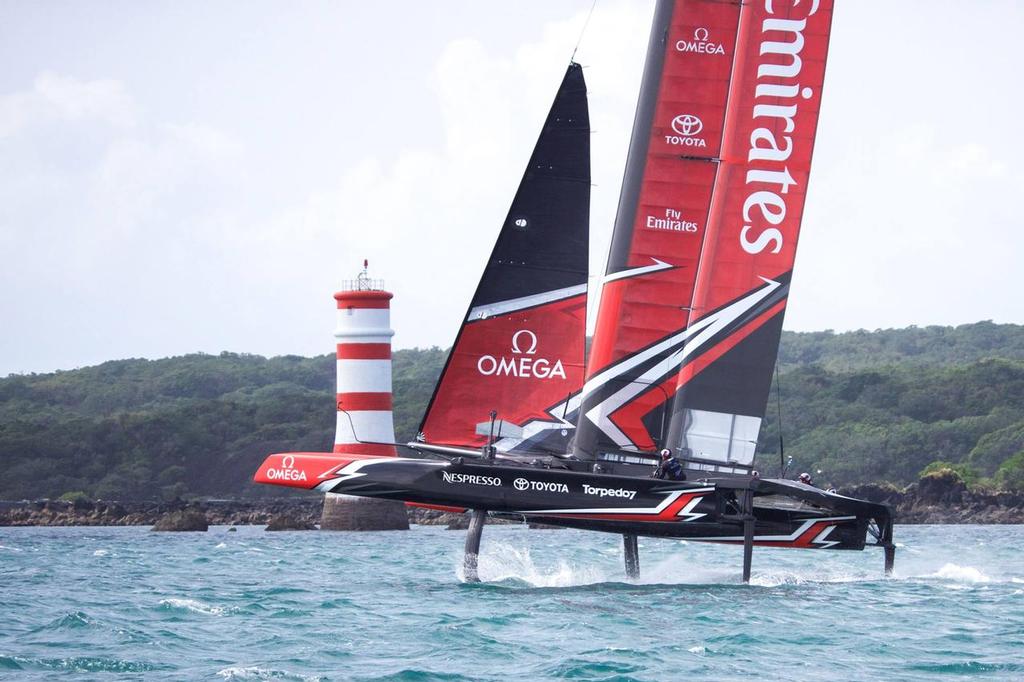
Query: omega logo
point(533, 342)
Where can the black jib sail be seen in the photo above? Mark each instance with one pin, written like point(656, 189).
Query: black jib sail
point(520, 350)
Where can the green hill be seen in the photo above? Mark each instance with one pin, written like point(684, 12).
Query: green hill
point(909, 347)
point(859, 406)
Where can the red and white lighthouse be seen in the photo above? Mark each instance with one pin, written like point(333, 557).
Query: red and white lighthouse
point(365, 424)
point(363, 341)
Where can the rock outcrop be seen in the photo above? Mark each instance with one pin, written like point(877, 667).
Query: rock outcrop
point(942, 497)
point(184, 520)
point(289, 522)
point(147, 513)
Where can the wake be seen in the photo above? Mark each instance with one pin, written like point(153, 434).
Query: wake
point(512, 565)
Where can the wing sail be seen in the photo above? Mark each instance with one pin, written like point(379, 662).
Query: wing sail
point(717, 172)
point(750, 247)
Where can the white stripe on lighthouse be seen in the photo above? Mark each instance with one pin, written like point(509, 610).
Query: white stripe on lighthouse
point(364, 376)
point(370, 426)
point(367, 325)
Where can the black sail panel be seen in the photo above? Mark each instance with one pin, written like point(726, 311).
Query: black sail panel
point(544, 242)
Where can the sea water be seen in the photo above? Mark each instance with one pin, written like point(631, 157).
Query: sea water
point(118, 603)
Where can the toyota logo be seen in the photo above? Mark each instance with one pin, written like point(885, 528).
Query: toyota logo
point(521, 484)
point(687, 124)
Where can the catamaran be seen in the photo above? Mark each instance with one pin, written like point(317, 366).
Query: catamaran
point(526, 423)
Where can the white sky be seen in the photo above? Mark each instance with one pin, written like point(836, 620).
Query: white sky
point(195, 176)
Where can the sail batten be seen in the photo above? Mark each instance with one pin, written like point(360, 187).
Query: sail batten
point(481, 312)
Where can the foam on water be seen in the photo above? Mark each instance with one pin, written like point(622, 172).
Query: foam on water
point(255, 672)
point(193, 605)
point(504, 562)
point(962, 574)
point(75, 664)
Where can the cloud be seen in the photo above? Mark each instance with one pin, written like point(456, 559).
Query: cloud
point(906, 226)
point(215, 202)
point(163, 174)
point(54, 97)
point(428, 217)
point(104, 211)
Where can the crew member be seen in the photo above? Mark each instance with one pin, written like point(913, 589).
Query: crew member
point(670, 469)
point(805, 478)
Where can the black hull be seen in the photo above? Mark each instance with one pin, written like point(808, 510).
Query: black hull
point(786, 514)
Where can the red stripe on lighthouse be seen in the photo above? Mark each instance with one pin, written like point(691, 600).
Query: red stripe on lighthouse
point(360, 402)
point(363, 299)
point(364, 351)
point(377, 449)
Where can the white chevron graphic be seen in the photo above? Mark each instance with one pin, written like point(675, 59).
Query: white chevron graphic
point(819, 540)
point(670, 497)
point(636, 272)
point(691, 340)
point(351, 470)
point(703, 330)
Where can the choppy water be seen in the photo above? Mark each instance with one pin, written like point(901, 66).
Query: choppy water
point(103, 603)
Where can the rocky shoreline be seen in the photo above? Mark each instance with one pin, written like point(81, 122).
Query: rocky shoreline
point(943, 498)
point(84, 512)
point(286, 513)
point(933, 499)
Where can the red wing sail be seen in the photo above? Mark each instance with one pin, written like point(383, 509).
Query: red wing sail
point(751, 243)
point(683, 352)
point(520, 351)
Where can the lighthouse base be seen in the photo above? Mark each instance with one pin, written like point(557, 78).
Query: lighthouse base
point(346, 512)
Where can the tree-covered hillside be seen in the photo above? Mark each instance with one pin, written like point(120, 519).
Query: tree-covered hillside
point(889, 423)
point(860, 406)
point(909, 347)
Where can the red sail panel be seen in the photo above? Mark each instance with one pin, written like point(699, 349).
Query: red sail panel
point(751, 240)
point(661, 222)
point(684, 351)
point(680, 138)
point(766, 162)
point(523, 366)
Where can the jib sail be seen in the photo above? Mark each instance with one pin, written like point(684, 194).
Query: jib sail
point(705, 236)
point(520, 351)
